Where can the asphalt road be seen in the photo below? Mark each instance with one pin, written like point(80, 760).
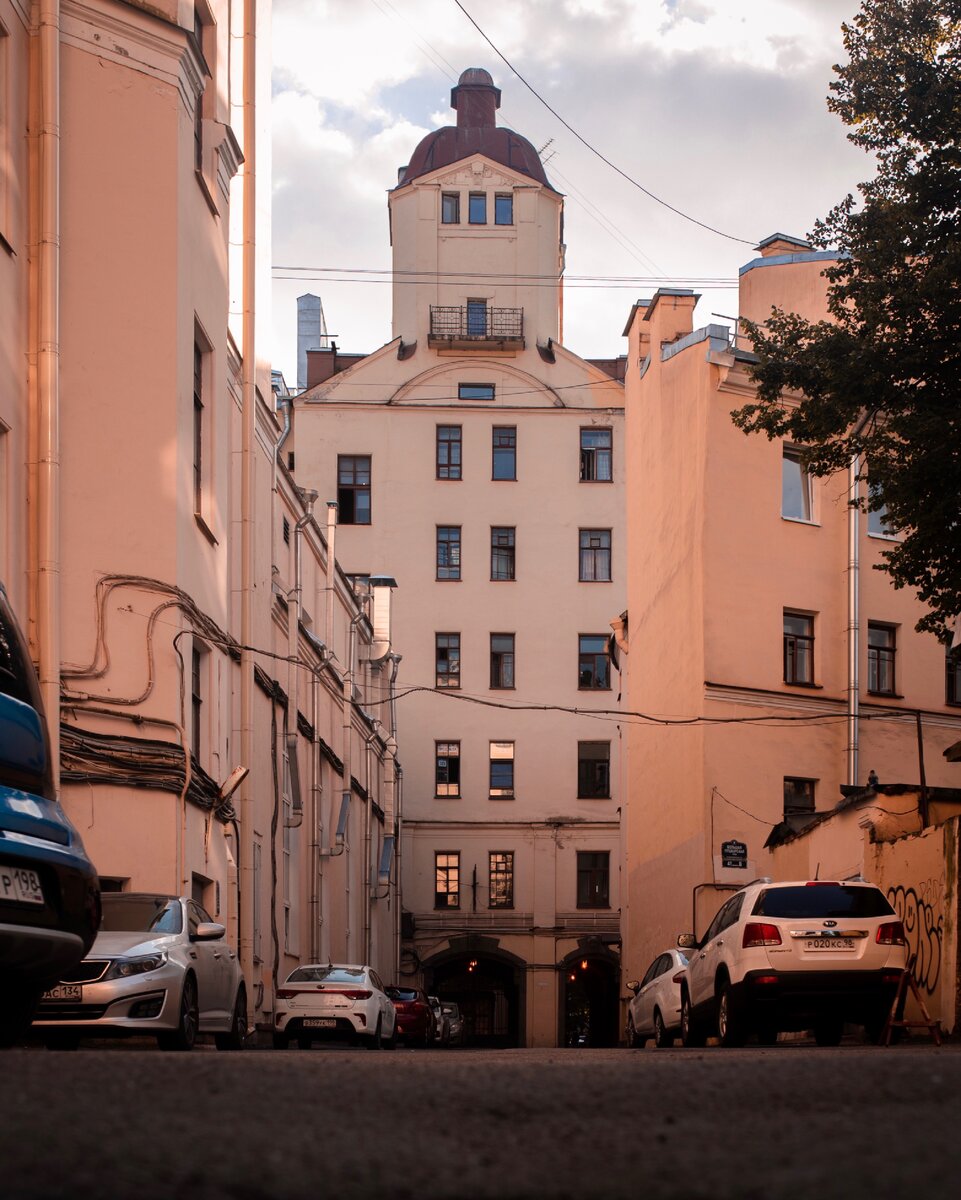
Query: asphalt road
point(336, 1123)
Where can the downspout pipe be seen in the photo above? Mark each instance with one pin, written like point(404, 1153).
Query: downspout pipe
point(294, 611)
point(854, 629)
point(48, 378)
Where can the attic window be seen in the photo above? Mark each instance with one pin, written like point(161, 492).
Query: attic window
point(475, 391)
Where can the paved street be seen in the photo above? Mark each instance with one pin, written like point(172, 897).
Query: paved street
point(791, 1121)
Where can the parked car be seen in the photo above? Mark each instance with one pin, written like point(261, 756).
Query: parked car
point(334, 1001)
point(49, 894)
point(812, 955)
point(415, 1017)
point(453, 1014)
point(160, 966)
point(441, 1023)
point(654, 1010)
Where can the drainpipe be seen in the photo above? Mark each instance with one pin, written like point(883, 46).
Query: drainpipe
point(331, 575)
point(368, 846)
point(287, 406)
point(854, 639)
point(348, 702)
point(294, 610)
point(48, 377)
point(248, 452)
point(315, 911)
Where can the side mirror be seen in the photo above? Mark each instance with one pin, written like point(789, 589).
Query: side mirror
point(208, 931)
point(687, 941)
point(634, 985)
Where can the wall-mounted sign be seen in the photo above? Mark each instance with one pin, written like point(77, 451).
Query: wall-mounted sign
point(734, 854)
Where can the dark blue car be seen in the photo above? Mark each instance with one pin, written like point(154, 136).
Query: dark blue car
point(49, 896)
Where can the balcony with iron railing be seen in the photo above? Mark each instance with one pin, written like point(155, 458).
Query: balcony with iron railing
point(476, 327)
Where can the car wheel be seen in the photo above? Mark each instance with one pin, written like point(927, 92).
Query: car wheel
point(304, 1042)
point(280, 1041)
point(633, 1041)
point(691, 1033)
point(236, 1036)
point(185, 1035)
point(730, 1023)
point(428, 1040)
point(662, 1038)
point(374, 1042)
point(62, 1041)
point(17, 1006)
point(828, 1032)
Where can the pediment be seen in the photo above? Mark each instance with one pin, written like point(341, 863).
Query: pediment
point(477, 172)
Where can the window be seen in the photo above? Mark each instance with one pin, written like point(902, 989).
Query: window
point(878, 523)
point(504, 450)
point(881, 651)
point(199, 353)
point(504, 209)
point(798, 648)
point(446, 879)
point(596, 446)
point(447, 768)
point(475, 391)
point(502, 770)
point(952, 667)
point(593, 663)
point(501, 870)
point(798, 796)
point(448, 452)
point(196, 700)
point(450, 208)
point(448, 552)
point(476, 318)
point(502, 552)
point(502, 660)
point(595, 556)
point(795, 487)
point(477, 208)
point(353, 489)
point(447, 657)
point(593, 770)
point(593, 878)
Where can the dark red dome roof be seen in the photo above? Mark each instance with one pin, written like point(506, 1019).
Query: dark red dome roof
point(476, 100)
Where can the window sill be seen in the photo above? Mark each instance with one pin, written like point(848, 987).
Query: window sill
point(607, 481)
point(594, 797)
point(595, 689)
point(801, 521)
point(511, 797)
point(208, 196)
point(593, 908)
point(799, 683)
point(886, 695)
point(884, 537)
point(448, 796)
point(496, 687)
point(206, 530)
point(438, 579)
point(502, 579)
point(595, 581)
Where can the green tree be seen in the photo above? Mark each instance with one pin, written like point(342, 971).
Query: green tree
point(882, 379)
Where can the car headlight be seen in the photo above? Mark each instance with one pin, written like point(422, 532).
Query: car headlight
point(123, 968)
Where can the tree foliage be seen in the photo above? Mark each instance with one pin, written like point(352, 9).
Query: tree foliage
point(882, 379)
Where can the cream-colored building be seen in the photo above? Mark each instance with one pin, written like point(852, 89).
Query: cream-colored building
point(480, 462)
point(754, 608)
point(164, 563)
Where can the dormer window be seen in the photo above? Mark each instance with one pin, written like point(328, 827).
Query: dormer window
point(477, 208)
point(450, 208)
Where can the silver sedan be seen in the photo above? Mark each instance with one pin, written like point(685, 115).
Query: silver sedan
point(654, 1010)
point(159, 966)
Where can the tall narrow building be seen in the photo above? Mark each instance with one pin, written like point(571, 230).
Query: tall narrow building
point(480, 462)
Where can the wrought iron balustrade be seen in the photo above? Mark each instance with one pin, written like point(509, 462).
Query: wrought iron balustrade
point(463, 327)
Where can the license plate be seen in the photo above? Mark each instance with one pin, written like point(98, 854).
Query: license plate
point(20, 886)
point(64, 991)
point(840, 943)
point(320, 1023)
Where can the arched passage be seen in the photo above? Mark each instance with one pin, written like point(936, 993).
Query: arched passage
point(589, 1000)
point(487, 984)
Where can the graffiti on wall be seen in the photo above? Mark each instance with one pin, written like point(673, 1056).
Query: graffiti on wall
point(921, 910)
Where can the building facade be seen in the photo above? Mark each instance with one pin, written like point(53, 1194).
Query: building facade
point(480, 462)
point(205, 664)
point(786, 666)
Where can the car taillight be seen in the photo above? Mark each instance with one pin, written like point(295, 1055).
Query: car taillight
point(891, 933)
point(359, 994)
point(286, 993)
point(821, 883)
point(759, 934)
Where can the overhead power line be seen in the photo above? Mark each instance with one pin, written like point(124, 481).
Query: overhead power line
point(593, 149)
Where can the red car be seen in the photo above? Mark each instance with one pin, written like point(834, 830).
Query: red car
point(415, 1017)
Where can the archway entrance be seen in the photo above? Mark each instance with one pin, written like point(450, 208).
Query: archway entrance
point(488, 991)
point(590, 1003)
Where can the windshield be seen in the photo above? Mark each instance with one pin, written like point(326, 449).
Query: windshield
point(818, 900)
point(399, 993)
point(327, 975)
point(140, 914)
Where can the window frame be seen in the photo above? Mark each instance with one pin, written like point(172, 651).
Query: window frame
point(593, 873)
point(583, 654)
point(505, 453)
point(450, 200)
point(881, 657)
point(809, 789)
point(451, 650)
point(500, 869)
point(505, 789)
point(596, 556)
point(499, 200)
point(449, 572)
point(447, 869)
point(464, 391)
point(354, 489)
point(793, 454)
point(503, 553)
point(502, 663)
point(448, 751)
point(796, 648)
point(474, 307)
point(476, 200)
point(445, 466)
point(601, 787)
point(592, 457)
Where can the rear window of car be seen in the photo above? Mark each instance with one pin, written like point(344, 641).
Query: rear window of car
point(325, 975)
point(818, 900)
point(397, 993)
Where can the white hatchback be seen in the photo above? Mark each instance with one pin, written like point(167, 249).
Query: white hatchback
point(334, 1001)
point(654, 1010)
point(814, 954)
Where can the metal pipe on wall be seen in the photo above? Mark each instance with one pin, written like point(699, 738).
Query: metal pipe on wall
point(854, 627)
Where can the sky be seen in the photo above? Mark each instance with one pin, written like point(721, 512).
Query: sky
point(718, 107)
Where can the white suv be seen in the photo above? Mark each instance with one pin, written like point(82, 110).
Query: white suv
point(792, 956)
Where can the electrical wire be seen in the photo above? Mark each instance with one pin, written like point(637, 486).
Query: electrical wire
point(593, 149)
point(418, 278)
